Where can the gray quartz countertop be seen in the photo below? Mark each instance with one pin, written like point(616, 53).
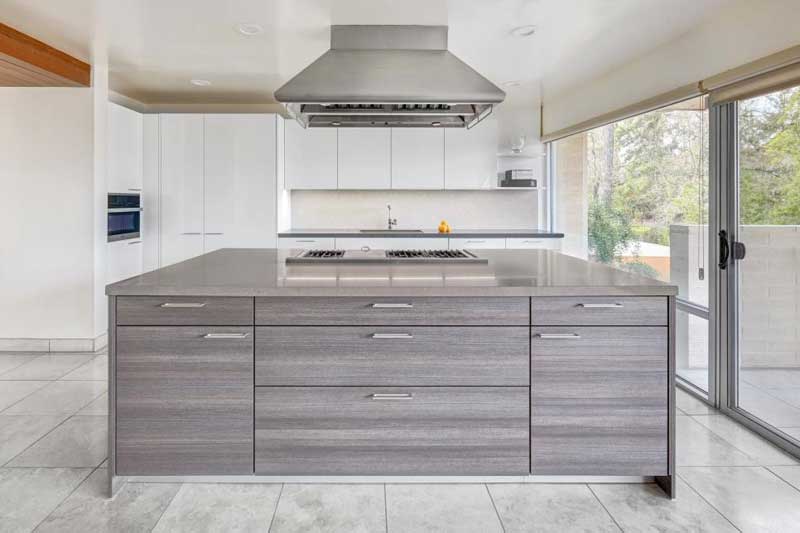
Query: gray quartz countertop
point(456, 233)
point(264, 272)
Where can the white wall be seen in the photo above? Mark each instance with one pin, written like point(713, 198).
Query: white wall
point(745, 31)
point(47, 214)
point(415, 209)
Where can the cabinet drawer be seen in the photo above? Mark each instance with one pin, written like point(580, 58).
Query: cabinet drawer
point(392, 356)
point(184, 401)
point(599, 401)
point(477, 244)
point(523, 243)
point(392, 311)
point(599, 311)
point(391, 431)
point(183, 311)
point(307, 243)
point(391, 243)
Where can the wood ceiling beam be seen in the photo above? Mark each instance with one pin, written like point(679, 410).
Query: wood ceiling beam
point(28, 62)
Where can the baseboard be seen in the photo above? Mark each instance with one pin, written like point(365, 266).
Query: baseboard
point(54, 345)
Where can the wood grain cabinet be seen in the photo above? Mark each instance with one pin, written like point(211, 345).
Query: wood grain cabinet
point(391, 430)
point(599, 400)
point(184, 400)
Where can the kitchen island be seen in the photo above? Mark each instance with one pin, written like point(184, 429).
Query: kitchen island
point(530, 366)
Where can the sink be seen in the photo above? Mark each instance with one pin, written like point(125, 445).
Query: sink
point(390, 231)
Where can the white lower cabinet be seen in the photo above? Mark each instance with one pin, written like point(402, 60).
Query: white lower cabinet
point(457, 243)
point(123, 260)
point(392, 243)
point(307, 243)
point(522, 243)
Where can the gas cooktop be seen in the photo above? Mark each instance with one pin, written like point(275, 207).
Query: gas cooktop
point(385, 256)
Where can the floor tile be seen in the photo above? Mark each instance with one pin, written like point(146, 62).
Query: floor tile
point(539, 507)
point(96, 407)
point(692, 406)
point(28, 495)
point(13, 391)
point(19, 432)
point(94, 370)
point(788, 395)
point(220, 507)
point(645, 508)
point(790, 474)
point(770, 377)
point(81, 441)
point(135, 508)
point(11, 361)
point(46, 367)
point(752, 498)
point(741, 438)
point(438, 508)
point(698, 446)
point(768, 408)
point(59, 397)
point(330, 508)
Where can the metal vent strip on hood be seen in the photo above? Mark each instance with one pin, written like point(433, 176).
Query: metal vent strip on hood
point(389, 76)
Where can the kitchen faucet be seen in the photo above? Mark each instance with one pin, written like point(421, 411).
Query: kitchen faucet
point(392, 221)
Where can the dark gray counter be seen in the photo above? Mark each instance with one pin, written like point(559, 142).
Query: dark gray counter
point(458, 233)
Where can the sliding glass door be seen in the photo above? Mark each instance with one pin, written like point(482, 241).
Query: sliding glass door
point(759, 261)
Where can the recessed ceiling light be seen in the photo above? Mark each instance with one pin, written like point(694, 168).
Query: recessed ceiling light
point(200, 83)
point(523, 31)
point(249, 29)
point(512, 83)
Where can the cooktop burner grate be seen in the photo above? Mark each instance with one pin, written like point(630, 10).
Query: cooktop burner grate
point(428, 254)
point(324, 254)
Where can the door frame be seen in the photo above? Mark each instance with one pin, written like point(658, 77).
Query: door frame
point(724, 215)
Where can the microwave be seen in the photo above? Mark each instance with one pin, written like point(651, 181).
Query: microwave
point(124, 216)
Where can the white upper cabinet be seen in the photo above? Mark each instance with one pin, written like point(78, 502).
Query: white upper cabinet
point(417, 158)
point(124, 149)
point(311, 157)
point(365, 158)
point(181, 187)
point(470, 156)
point(239, 181)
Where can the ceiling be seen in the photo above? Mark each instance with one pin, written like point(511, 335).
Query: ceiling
point(156, 47)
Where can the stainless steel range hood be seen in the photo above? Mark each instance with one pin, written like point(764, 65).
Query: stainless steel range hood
point(389, 76)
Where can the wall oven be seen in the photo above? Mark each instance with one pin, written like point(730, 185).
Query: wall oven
point(124, 216)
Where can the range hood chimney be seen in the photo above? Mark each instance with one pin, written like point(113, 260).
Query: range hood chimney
point(389, 77)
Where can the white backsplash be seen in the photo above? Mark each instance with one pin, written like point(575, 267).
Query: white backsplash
point(415, 209)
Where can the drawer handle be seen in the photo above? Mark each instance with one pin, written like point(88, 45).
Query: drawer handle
point(214, 233)
point(226, 335)
point(184, 305)
point(557, 336)
point(392, 336)
point(305, 240)
point(475, 242)
point(385, 396)
point(601, 306)
point(392, 306)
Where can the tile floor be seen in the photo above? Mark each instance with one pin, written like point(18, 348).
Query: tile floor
point(52, 478)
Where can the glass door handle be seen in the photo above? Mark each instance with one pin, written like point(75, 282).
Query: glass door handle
point(724, 250)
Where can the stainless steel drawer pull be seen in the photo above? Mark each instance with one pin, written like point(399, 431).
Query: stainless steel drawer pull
point(184, 305)
point(557, 336)
point(391, 396)
point(475, 242)
point(214, 233)
point(305, 240)
point(392, 336)
point(392, 306)
point(602, 306)
point(226, 335)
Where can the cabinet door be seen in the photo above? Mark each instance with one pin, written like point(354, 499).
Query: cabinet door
point(239, 181)
point(417, 158)
point(470, 156)
point(184, 400)
point(124, 149)
point(364, 158)
point(477, 243)
point(599, 401)
point(310, 157)
point(181, 187)
point(124, 260)
point(307, 243)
